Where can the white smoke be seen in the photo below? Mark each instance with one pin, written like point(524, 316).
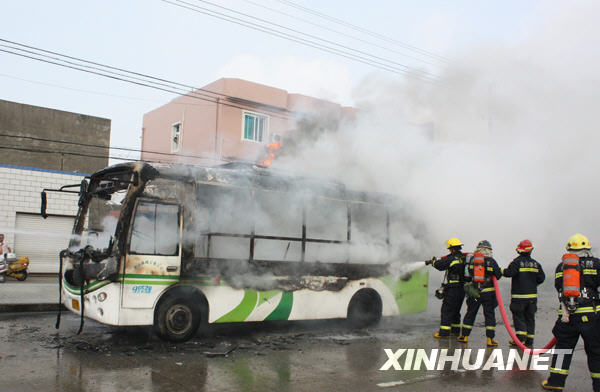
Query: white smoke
point(502, 148)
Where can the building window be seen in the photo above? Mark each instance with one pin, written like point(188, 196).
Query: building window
point(255, 127)
point(175, 137)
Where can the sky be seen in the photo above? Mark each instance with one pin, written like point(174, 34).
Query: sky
point(512, 105)
point(164, 40)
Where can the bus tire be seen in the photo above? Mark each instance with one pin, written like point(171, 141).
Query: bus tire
point(364, 308)
point(177, 318)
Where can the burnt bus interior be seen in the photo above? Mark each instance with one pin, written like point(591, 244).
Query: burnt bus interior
point(240, 222)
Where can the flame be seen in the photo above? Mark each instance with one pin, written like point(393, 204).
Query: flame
point(270, 156)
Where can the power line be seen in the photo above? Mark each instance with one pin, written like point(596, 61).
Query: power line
point(400, 69)
point(337, 31)
point(84, 91)
point(78, 144)
point(104, 66)
point(309, 35)
point(87, 155)
point(26, 149)
point(365, 31)
point(107, 71)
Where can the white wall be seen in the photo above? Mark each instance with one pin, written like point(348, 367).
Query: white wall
point(20, 190)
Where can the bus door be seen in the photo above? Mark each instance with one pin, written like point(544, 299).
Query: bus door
point(153, 257)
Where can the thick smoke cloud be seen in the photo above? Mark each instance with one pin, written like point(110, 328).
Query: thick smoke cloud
point(503, 147)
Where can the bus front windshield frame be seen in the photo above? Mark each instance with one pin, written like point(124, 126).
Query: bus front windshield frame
point(100, 208)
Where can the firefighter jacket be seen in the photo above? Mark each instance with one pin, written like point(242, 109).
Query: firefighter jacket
point(526, 274)
point(454, 263)
point(491, 269)
point(590, 281)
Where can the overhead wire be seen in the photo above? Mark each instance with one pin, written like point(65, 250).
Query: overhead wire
point(338, 32)
point(90, 155)
point(39, 150)
point(17, 49)
point(79, 144)
point(404, 66)
point(81, 90)
point(364, 30)
point(360, 57)
point(105, 66)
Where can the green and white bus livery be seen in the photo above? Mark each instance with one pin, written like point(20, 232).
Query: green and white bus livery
point(175, 246)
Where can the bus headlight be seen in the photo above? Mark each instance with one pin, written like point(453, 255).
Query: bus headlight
point(102, 296)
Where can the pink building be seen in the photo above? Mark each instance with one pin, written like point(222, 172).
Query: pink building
point(234, 120)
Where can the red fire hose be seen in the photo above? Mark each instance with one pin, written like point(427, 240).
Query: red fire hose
point(511, 332)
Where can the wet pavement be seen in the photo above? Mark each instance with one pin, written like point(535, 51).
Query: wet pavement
point(296, 356)
point(35, 293)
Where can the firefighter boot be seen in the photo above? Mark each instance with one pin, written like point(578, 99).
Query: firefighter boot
point(463, 339)
point(438, 336)
point(513, 343)
point(549, 387)
point(529, 342)
point(491, 342)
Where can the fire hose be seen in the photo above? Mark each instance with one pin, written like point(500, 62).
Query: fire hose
point(510, 330)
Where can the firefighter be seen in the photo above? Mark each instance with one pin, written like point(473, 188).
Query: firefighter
point(453, 292)
point(577, 279)
point(480, 268)
point(526, 274)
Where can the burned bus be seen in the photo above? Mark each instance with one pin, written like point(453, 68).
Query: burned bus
point(176, 246)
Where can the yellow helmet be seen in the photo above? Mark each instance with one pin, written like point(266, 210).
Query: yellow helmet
point(453, 242)
point(578, 241)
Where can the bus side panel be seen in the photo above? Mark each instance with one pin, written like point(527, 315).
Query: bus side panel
point(410, 295)
point(143, 291)
point(232, 305)
point(130, 316)
point(227, 304)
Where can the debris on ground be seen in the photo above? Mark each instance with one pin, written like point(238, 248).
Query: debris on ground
point(221, 350)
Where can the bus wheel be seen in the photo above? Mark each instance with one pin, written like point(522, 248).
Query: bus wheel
point(364, 308)
point(176, 319)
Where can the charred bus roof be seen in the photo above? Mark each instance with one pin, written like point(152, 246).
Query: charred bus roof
point(243, 175)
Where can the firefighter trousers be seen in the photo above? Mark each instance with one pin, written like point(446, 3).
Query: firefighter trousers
point(489, 303)
point(523, 312)
point(450, 313)
point(567, 335)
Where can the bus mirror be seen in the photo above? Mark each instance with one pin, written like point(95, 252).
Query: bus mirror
point(83, 187)
point(43, 209)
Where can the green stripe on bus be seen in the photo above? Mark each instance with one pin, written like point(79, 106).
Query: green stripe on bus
point(410, 295)
point(283, 310)
point(142, 276)
point(243, 310)
point(151, 282)
point(87, 288)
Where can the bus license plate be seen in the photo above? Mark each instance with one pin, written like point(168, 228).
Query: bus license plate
point(75, 304)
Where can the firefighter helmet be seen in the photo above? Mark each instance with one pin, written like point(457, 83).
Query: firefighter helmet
point(525, 246)
point(577, 242)
point(452, 242)
point(484, 244)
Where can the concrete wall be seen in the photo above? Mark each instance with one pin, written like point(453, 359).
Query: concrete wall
point(25, 120)
point(21, 188)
